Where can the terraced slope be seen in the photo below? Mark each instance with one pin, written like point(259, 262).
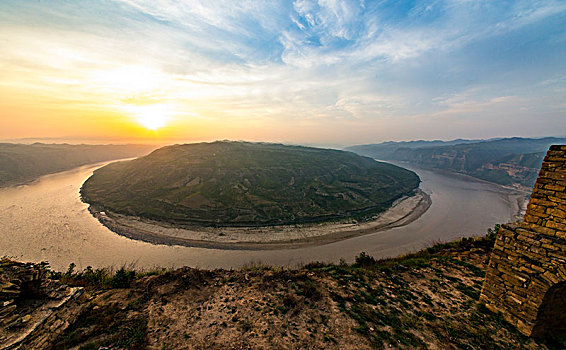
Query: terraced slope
point(247, 184)
point(510, 161)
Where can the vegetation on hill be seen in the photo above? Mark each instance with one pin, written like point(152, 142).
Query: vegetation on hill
point(427, 299)
point(20, 163)
point(247, 184)
point(386, 150)
point(503, 161)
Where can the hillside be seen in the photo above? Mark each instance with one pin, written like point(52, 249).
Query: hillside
point(386, 150)
point(512, 161)
point(247, 184)
point(20, 163)
point(425, 300)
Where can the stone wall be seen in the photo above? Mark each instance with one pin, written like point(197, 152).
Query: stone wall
point(526, 275)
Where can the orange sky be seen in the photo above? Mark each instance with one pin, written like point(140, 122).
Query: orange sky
point(299, 72)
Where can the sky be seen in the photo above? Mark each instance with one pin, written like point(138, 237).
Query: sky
point(311, 72)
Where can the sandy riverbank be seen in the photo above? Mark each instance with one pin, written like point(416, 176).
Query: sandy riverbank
point(402, 212)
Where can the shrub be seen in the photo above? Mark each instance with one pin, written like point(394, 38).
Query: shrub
point(364, 260)
point(492, 233)
point(311, 291)
point(122, 278)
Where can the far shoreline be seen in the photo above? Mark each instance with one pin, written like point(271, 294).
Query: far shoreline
point(38, 178)
point(403, 211)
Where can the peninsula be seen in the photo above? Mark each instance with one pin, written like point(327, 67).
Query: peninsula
point(241, 192)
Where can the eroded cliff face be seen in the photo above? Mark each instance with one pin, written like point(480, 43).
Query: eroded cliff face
point(512, 161)
point(519, 170)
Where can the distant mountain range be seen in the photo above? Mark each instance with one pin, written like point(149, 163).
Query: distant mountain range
point(20, 163)
point(509, 161)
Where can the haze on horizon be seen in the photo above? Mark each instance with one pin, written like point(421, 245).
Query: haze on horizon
point(334, 72)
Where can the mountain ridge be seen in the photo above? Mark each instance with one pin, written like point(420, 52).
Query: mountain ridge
point(507, 161)
point(20, 163)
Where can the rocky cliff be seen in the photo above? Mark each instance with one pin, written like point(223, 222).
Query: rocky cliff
point(513, 161)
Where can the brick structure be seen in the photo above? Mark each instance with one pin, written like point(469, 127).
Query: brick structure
point(526, 275)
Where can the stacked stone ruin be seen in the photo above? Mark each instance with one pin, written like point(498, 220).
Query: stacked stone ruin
point(526, 275)
point(34, 309)
point(16, 279)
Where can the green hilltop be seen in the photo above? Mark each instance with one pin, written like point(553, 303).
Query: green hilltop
point(247, 184)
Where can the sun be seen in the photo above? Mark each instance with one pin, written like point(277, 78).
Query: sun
point(151, 117)
point(152, 121)
point(137, 86)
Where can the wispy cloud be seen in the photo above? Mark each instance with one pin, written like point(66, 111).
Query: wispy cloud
point(374, 64)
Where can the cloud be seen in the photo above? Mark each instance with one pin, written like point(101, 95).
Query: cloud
point(365, 62)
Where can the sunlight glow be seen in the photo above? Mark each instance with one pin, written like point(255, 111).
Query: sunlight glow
point(152, 117)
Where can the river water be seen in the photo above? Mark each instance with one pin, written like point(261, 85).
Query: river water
point(46, 221)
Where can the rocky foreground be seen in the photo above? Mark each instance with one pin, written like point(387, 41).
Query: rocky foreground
point(424, 300)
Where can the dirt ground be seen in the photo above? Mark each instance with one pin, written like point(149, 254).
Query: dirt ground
point(424, 300)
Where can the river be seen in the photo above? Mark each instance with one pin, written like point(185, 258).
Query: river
point(46, 221)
